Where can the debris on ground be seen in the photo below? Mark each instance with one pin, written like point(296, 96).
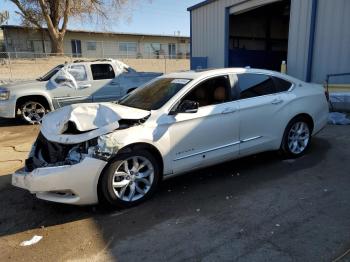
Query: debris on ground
point(336, 118)
point(35, 239)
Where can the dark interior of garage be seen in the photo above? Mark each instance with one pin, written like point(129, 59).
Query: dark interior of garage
point(259, 37)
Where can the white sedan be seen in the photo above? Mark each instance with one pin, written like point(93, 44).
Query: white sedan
point(117, 154)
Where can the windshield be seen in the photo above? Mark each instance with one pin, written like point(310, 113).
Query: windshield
point(50, 74)
point(155, 94)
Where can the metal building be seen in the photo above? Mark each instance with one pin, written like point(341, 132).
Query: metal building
point(313, 36)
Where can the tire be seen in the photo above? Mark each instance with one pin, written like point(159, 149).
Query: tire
point(33, 112)
point(125, 189)
point(296, 138)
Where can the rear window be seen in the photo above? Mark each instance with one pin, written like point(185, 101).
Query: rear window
point(252, 85)
point(102, 71)
point(281, 84)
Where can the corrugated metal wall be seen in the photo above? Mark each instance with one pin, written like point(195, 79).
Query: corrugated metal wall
point(299, 33)
point(332, 40)
point(208, 31)
point(332, 37)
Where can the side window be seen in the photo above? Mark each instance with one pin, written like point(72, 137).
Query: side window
point(210, 92)
point(252, 85)
point(281, 84)
point(102, 71)
point(78, 72)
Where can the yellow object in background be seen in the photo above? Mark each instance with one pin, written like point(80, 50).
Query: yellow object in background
point(284, 67)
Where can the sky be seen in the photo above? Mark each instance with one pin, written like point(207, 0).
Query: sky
point(142, 16)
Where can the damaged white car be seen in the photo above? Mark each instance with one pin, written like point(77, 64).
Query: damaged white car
point(118, 153)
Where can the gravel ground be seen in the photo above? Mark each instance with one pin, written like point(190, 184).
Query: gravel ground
point(259, 208)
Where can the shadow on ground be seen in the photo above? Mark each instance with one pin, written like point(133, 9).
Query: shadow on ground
point(180, 194)
point(11, 122)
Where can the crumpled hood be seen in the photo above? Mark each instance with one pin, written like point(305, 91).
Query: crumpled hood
point(90, 120)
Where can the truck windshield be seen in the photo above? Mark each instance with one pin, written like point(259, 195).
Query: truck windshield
point(50, 74)
point(155, 94)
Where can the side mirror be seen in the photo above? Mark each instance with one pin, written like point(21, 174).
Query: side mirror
point(61, 79)
point(188, 106)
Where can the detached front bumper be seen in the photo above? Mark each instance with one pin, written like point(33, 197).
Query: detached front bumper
point(69, 184)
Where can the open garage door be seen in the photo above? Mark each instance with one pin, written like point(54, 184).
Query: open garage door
point(258, 34)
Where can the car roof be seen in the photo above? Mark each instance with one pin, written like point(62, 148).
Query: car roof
point(196, 74)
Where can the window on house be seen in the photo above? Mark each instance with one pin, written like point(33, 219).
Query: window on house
point(172, 51)
point(152, 49)
point(30, 45)
point(91, 46)
point(102, 71)
point(128, 48)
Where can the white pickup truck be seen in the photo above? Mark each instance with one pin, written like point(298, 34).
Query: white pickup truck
point(78, 82)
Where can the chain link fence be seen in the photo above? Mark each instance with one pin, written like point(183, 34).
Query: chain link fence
point(30, 65)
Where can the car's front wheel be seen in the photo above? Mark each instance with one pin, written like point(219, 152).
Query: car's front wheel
point(129, 179)
point(33, 112)
point(296, 138)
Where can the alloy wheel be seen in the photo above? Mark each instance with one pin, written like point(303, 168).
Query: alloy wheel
point(298, 137)
point(133, 178)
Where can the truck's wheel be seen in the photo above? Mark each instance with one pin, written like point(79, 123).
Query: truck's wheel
point(33, 112)
point(129, 179)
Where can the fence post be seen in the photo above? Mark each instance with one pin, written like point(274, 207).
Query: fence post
point(10, 64)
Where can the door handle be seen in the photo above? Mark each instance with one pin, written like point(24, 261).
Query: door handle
point(84, 86)
point(228, 110)
point(277, 101)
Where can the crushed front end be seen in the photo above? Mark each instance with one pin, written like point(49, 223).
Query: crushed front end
point(61, 173)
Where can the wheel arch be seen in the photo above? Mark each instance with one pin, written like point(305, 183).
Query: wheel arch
point(37, 97)
point(307, 117)
point(129, 148)
point(145, 146)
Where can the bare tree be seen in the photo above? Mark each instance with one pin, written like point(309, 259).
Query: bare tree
point(55, 14)
point(4, 17)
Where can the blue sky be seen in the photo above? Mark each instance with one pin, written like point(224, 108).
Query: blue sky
point(143, 16)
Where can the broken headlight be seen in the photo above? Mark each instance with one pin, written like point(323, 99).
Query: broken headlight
point(107, 146)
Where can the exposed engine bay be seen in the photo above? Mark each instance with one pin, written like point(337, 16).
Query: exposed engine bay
point(70, 134)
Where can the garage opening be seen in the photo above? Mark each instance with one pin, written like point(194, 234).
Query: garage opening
point(258, 36)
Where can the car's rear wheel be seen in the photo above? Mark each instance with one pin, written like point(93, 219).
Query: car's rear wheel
point(33, 112)
point(296, 138)
point(129, 179)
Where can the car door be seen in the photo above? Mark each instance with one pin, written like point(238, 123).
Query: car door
point(105, 82)
point(261, 106)
point(76, 90)
point(209, 135)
